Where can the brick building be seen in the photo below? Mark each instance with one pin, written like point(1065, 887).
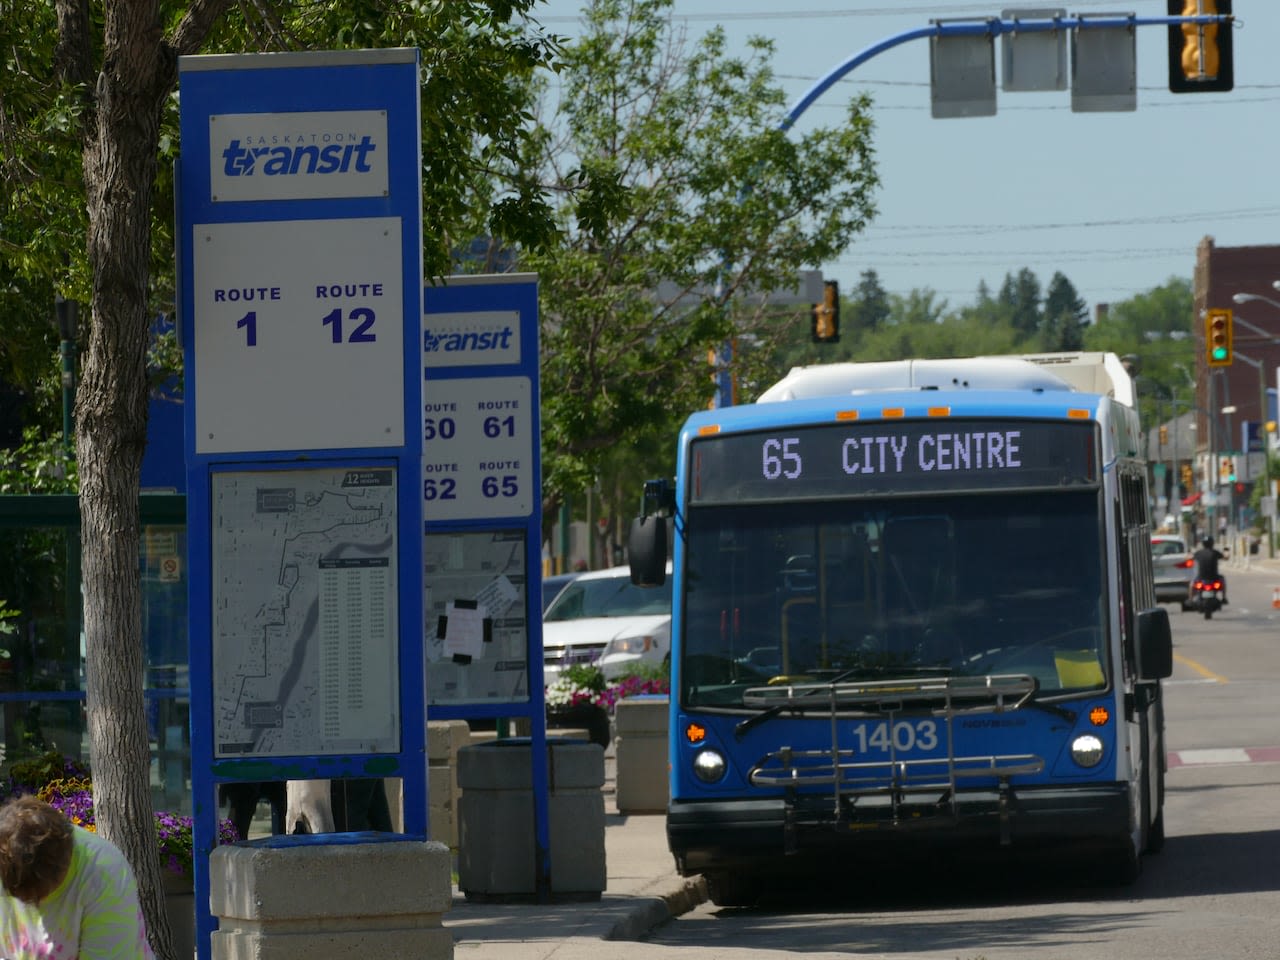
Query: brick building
point(1220, 274)
point(1249, 383)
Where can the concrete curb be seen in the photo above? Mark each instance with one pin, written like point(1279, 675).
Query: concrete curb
point(655, 911)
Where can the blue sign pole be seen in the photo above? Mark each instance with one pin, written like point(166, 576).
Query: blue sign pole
point(299, 239)
point(482, 511)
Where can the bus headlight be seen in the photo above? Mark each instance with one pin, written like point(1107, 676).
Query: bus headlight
point(708, 765)
point(1086, 750)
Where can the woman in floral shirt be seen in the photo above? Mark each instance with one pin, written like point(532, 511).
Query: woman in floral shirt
point(68, 893)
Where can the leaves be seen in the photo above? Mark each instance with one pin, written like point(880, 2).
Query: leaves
point(684, 204)
point(40, 464)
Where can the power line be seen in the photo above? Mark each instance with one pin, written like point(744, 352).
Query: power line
point(969, 229)
point(1117, 254)
point(932, 11)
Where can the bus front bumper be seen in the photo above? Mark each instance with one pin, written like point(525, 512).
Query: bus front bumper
point(726, 834)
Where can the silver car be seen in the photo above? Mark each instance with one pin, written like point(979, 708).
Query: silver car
point(1173, 566)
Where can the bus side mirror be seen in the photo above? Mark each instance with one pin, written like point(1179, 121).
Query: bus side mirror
point(647, 546)
point(1155, 644)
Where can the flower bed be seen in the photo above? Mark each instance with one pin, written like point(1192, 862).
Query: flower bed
point(586, 685)
point(581, 697)
point(65, 784)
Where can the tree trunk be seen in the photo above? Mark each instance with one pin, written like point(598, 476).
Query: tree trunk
point(111, 409)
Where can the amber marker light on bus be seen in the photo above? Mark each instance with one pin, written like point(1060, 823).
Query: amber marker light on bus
point(695, 733)
point(939, 411)
point(1099, 716)
point(709, 429)
point(846, 414)
point(1075, 413)
point(893, 412)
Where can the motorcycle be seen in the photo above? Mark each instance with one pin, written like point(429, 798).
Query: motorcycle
point(1207, 597)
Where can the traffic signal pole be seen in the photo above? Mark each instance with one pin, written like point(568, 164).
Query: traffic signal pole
point(989, 27)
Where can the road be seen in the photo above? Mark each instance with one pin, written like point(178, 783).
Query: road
point(1213, 892)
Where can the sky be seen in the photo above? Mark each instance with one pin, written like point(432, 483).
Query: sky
point(1115, 201)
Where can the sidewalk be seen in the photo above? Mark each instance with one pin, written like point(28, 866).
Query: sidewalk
point(642, 891)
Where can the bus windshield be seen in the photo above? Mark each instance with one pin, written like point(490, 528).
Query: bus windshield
point(955, 585)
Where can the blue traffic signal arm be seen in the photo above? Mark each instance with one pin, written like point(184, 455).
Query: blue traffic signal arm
point(993, 27)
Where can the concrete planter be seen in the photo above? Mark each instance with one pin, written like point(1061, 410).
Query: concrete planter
point(642, 775)
point(331, 895)
point(180, 906)
point(497, 859)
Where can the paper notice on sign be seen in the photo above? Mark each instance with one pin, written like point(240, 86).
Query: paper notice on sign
point(463, 631)
point(482, 570)
point(497, 598)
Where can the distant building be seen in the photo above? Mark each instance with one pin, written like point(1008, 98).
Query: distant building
point(1221, 273)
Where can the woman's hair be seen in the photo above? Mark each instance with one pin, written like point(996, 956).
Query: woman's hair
point(35, 848)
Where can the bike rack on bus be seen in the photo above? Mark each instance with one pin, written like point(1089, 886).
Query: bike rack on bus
point(898, 779)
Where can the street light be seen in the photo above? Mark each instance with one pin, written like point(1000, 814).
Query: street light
point(1266, 442)
point(1263, 409)
point(1250, 297)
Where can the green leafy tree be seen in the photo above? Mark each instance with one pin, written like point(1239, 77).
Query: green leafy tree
point(88, 115)
point(919, 307)
point(716, 207)
point(1155, 329)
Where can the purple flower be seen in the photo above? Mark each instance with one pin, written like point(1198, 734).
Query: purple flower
point(174, 832)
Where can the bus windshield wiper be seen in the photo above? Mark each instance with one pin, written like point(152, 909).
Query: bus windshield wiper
point(1053, 708)
point(744, 726)
point(882, 671)
point(861, 672)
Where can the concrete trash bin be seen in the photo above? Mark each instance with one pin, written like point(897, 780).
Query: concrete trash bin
point(642, 774)
point(497, 858)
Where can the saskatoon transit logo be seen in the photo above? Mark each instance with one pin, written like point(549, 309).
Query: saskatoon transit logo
point(298, 154)
point(452, 341)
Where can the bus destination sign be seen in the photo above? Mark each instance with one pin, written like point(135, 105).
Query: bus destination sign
point(895, 457)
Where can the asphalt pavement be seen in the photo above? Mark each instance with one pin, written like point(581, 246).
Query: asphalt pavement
point(642, 890)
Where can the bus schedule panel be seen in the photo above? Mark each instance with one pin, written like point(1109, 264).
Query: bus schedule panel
point(891, 457)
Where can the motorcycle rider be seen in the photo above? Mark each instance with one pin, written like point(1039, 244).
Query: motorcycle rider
point(1206, 560)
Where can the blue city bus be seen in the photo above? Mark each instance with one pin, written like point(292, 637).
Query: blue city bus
point(912, 608)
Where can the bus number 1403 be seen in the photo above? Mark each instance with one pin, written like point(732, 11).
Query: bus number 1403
point(920, 735)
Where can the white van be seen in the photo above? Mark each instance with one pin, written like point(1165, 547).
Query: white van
point(601, 618)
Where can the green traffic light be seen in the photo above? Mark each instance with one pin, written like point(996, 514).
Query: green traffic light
point(1219, 353)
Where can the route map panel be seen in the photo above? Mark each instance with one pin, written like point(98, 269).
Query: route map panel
point(304, 612)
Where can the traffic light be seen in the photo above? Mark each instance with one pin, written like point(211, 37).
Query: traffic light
point(1164, 434)
point(826, 315)
point(1186, 475)
point(1217, 338)
point(1200, 57)
point(1227, 470)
